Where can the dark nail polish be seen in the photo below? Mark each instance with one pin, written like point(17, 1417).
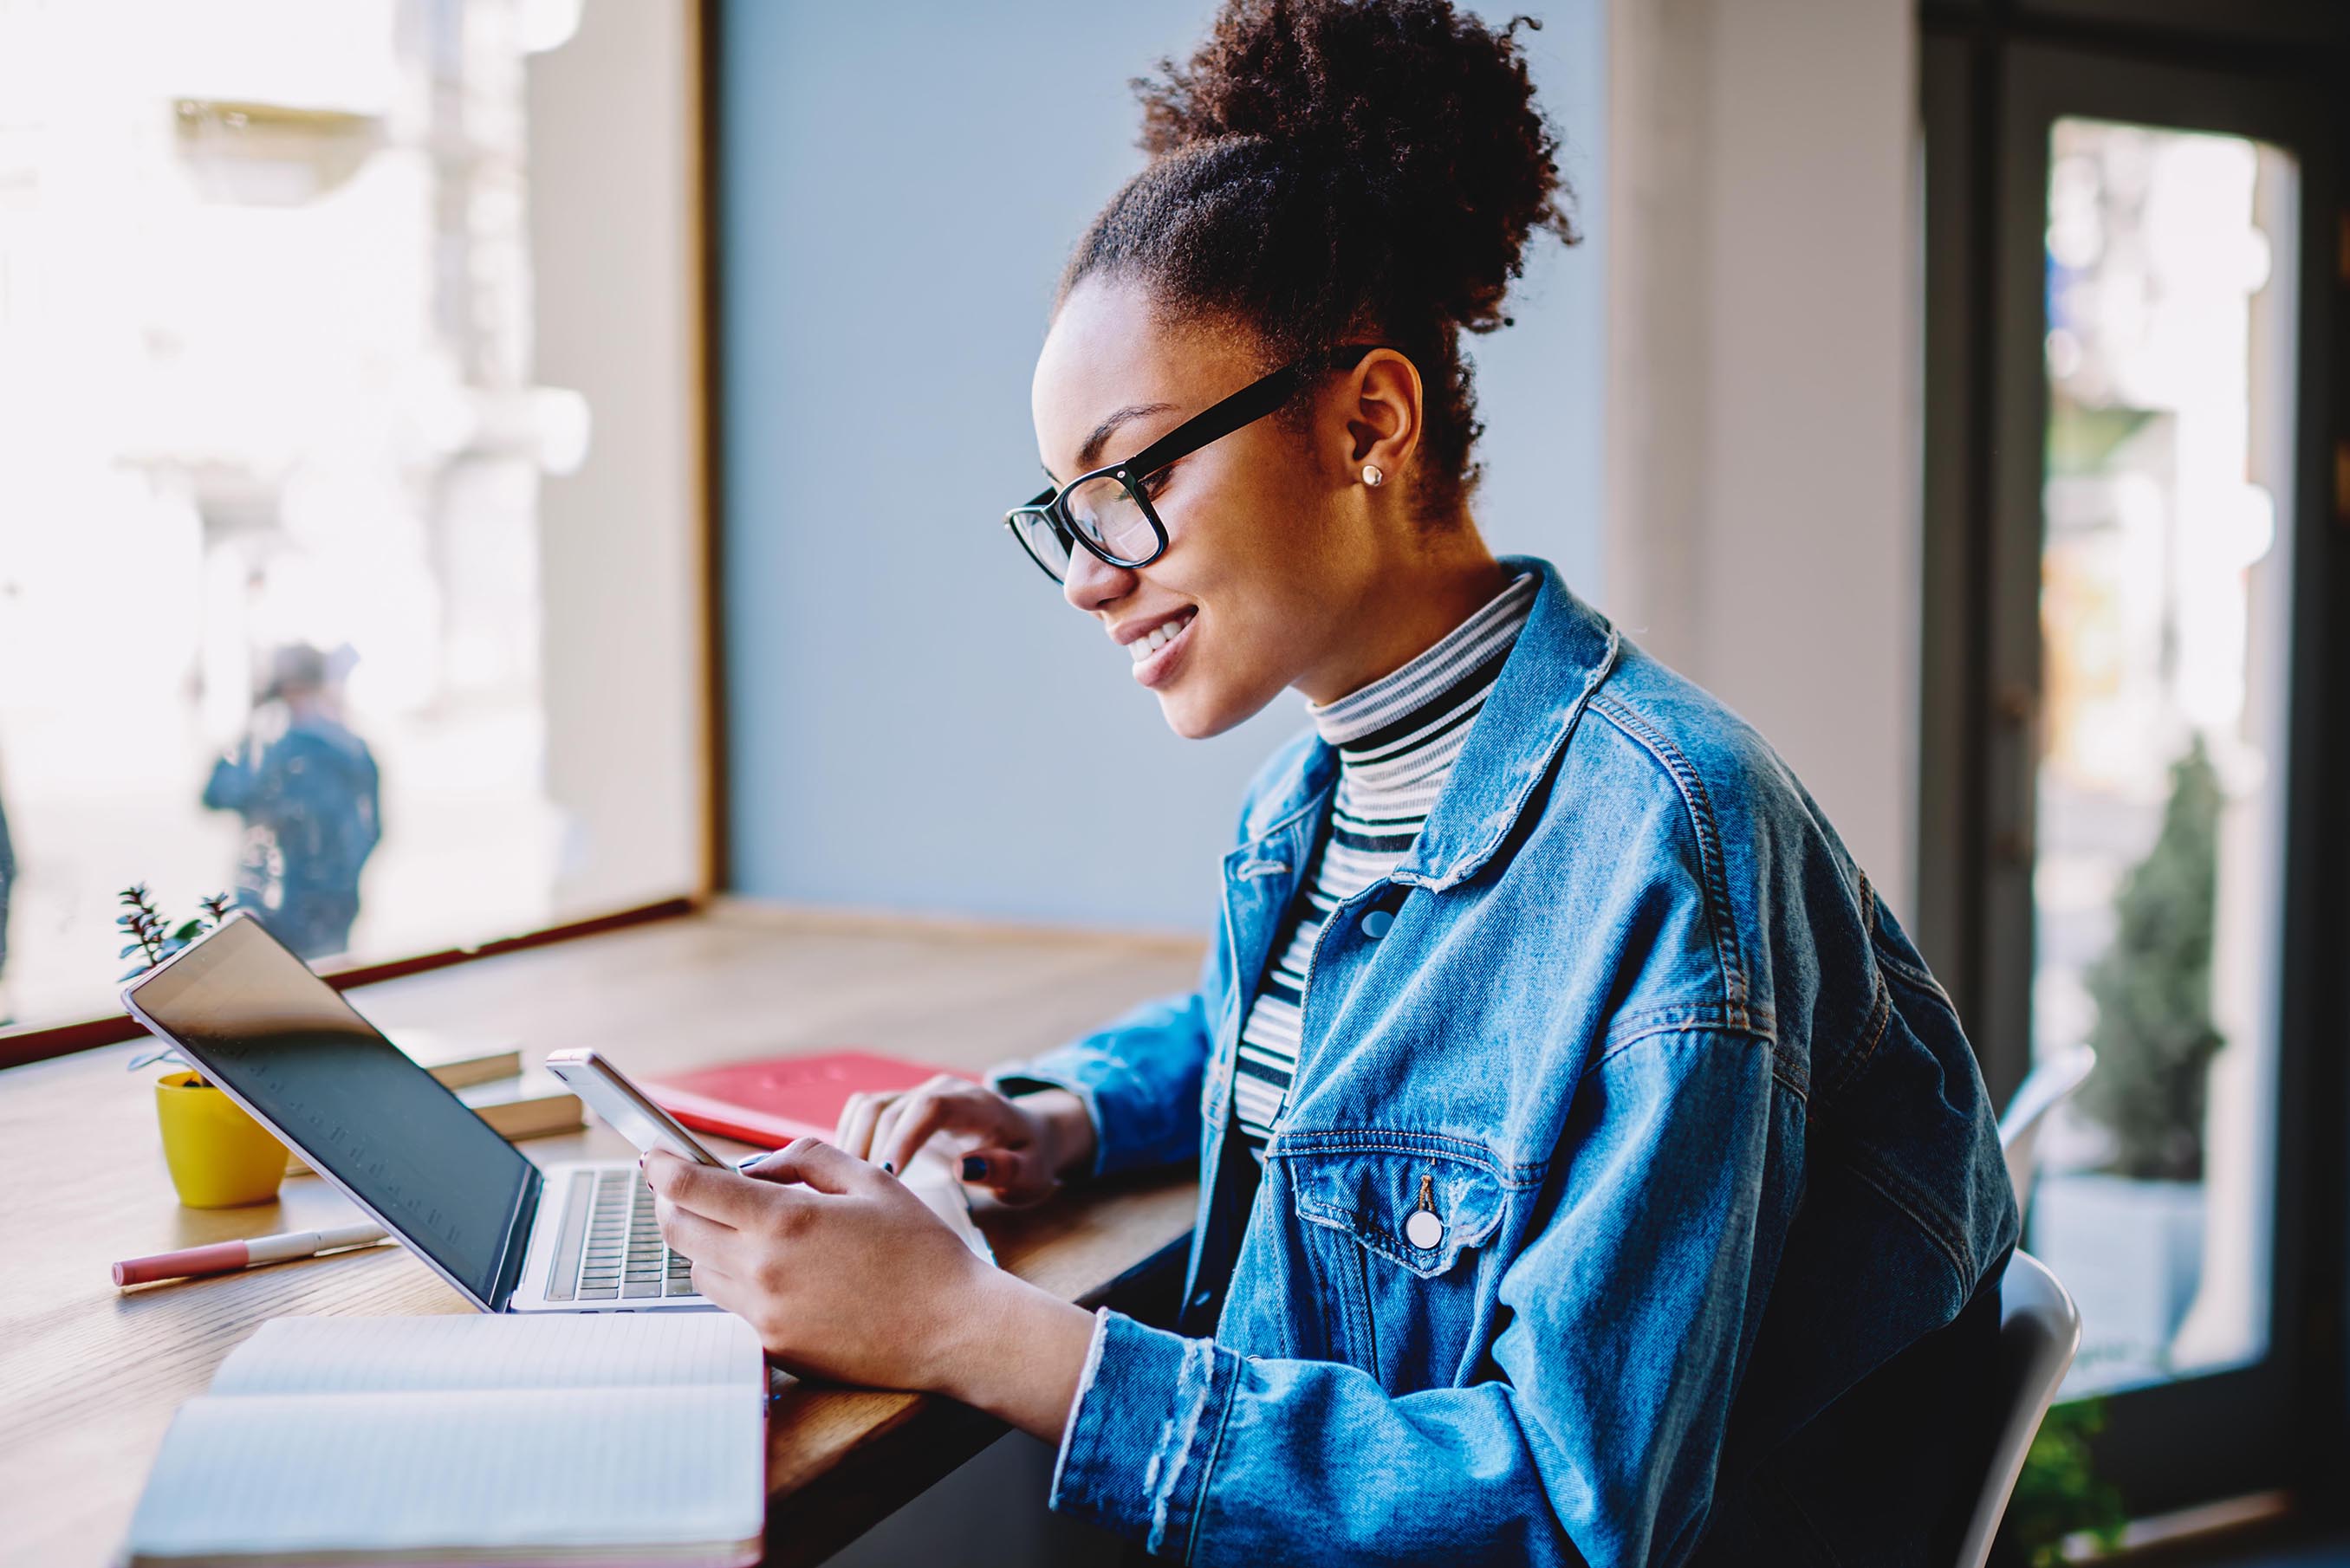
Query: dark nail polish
point(887, 1166)
point(974, 1169)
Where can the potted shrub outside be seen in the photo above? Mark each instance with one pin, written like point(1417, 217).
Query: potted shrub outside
point(2155, 1038)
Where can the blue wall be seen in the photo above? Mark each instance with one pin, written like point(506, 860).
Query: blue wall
point(915, 718)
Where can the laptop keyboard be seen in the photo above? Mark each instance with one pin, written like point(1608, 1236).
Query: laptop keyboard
point(609, 1248)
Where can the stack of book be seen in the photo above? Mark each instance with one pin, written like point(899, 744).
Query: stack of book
point(488, 1075)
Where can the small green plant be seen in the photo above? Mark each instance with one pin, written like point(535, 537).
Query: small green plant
point(2154, 1033)
point(153, 939)
point(2059, 1494)
point(149, 938)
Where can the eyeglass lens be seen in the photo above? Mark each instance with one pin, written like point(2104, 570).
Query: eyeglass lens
point(1044, 542)
point(1107, 512)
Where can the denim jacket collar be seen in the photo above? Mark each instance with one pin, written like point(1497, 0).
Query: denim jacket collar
point(1566, 649)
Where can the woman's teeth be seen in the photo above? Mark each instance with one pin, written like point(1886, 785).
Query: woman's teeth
point(1143, 647)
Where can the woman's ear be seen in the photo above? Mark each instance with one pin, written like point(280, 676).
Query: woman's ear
point(1382, 415)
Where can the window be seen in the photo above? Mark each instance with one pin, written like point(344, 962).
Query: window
point(2131, 702)
point(348, 559)
point(2165, 594)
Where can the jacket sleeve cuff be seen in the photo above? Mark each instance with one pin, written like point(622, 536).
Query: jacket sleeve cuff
point(1139, 1079)
point(1143, 1435)
point(1048, 1072)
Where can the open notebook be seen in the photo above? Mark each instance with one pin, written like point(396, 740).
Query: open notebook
point(557, 1441)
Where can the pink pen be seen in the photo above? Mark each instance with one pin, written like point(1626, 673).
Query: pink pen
point(227, 1257)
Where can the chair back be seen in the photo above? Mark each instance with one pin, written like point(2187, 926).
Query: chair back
point(2039, 1330)
point(2044, 1088)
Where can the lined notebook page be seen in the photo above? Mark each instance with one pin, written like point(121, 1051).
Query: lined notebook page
point(475, 1469)
point(328, 1355)
point(469, 1434)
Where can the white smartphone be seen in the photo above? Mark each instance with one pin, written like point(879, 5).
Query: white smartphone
point(631, 1112)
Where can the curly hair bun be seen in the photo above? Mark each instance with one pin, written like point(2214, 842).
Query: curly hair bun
point(1343, 171)
point(1429, 109)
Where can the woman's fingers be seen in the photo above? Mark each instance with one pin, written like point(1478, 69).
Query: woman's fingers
point(712, 1282)
point(695, 1238)
point(757, 1169)
point(937, 1105)
point(841, 1271)
point(732, 1199)
point(885, 1127)
point(715, 1284)
point(816, 1163)
point(913, 1102)
point(1015, 1176)
point(857, 1118)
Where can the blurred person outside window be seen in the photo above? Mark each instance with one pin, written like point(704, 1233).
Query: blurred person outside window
point(305, 786)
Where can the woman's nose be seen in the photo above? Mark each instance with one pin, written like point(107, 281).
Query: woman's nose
point(1093, 582)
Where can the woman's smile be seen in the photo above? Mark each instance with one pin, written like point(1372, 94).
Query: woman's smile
point(1159, 652)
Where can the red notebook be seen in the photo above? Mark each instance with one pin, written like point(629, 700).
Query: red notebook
point(779, 1098)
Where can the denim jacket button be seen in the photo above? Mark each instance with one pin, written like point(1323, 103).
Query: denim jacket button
point(1375, 923)
point(1423, 1230)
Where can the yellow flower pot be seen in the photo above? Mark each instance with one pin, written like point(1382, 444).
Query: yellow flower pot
point(219, 1156)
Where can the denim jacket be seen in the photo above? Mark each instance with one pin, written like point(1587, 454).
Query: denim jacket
point(1636, 1199)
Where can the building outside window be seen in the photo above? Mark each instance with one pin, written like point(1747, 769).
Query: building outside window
point(275, 465)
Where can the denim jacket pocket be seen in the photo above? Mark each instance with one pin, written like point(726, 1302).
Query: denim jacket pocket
point(1396, 1229)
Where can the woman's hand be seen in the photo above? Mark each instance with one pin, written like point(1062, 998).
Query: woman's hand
point(841, 1269)
point(844, 1272)
point(1017, 1149)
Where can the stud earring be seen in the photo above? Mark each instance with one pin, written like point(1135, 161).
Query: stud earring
point(1371, 474)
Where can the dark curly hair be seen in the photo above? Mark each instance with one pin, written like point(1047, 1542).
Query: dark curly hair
point(1325, 171)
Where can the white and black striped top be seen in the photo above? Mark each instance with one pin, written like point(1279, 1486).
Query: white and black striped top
point(1398, 739)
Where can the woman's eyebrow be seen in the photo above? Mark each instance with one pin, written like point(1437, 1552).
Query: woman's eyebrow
point(1090, 452)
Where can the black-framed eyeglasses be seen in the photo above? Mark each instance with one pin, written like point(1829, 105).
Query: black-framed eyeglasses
point(1109, 510)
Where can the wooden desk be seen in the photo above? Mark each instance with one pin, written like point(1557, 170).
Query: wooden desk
point(89, 1375)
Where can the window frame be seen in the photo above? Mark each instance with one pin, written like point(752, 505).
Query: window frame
point(20, 1045)
point(1994, 79)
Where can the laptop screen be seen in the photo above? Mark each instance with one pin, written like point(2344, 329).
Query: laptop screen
point(257, 1020)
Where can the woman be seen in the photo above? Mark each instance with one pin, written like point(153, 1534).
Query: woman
point(1591, 1168)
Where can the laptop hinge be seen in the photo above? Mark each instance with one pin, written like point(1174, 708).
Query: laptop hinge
point(525, 1219)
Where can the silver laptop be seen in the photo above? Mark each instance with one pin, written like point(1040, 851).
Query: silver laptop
point(508, 1234)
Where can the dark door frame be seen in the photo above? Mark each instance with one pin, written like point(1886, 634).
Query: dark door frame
point(1992, 77)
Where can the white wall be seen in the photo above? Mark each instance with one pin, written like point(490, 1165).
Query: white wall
point(1763, 388)
point(613, 228)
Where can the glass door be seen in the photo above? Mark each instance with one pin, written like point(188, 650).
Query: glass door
point(2161, 744)
point(2146, 259)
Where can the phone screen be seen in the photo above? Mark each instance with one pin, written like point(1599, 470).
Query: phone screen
point(643, 1127)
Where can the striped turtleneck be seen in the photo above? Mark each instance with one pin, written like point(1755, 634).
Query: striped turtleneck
point(1398, 739)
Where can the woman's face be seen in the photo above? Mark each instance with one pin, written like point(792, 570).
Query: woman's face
point(1266, 561)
